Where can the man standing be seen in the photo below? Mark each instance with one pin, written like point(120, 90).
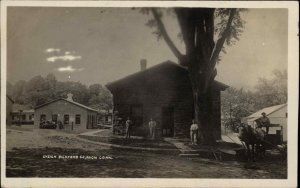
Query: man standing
point(265, 122)
point(194, 132)
point(152, 127)
point(128, 125)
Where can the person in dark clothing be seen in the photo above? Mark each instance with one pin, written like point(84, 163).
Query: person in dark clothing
point(265, 122)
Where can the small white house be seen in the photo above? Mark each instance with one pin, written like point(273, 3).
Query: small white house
point(277, 115)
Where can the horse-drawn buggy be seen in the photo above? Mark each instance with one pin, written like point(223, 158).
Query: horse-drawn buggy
point(256, 140)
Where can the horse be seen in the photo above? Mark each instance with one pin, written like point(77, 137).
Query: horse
point(253, 138)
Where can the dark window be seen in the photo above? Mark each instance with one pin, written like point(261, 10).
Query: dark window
point(286, 115)
point(24, 117)
point(43, 117)
point(77, 119)
point(66, 119)
point(31, 117)
point(54, 118)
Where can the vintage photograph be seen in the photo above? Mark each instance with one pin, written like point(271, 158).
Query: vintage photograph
point(146, 92)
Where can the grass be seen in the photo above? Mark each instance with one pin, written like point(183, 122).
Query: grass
point(21, 128)
point(133, 142)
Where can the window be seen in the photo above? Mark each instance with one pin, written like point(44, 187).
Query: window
point(54, 118)
point(23, 117)
point(31, 117)
point(77, 119)
point(43, 117)
point(66, 119)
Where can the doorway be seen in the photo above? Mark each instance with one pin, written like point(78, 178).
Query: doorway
point(167, 121)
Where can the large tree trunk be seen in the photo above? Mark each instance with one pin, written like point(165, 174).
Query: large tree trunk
point(203, 111)
point(197, 28)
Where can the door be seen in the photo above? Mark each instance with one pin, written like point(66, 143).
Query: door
point(167, 121)
point(137, 114)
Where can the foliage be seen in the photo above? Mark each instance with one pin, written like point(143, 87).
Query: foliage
point(39, 90)
point(238, 103)
point(272, 91)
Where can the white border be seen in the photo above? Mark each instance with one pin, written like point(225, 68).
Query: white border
point(293, 99)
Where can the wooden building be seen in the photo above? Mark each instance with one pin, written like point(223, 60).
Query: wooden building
point(162, 92)
point(22, 115)
point(68, 112)
point(105, 117)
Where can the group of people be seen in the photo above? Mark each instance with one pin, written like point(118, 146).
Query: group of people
point(194, 128)
point(129, 124)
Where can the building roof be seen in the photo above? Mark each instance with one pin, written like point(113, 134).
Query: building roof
point(24, 111)
point(72, 102)
point(267, 110)
point(163, 65)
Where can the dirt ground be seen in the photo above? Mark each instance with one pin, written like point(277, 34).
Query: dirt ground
point(49, 153)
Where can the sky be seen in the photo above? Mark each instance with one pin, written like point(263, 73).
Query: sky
point(96, 45)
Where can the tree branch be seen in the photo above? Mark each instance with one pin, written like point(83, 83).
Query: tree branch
point(218, 47)
point(165, 35)
point(220, 43)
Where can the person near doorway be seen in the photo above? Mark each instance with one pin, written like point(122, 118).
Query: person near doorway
point(194, 132)
point(152, 127)
point(128, 125)
point(265, 122)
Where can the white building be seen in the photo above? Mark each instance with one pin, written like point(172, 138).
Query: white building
point(278, 118)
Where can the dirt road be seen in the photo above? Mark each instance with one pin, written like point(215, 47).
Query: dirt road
point(48, 153)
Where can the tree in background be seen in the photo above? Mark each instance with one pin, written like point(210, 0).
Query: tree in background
point(100, 97)
point(272, 91)
point(238, 103)
point(198, 29)
point(16, 91)
point(39, 90)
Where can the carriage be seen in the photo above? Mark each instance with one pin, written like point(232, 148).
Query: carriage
point(256, 141)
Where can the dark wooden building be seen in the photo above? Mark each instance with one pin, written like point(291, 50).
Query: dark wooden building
point(162, 92)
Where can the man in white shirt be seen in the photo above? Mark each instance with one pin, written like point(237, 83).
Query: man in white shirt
point(194, 132)
point(152, 127)
point(128, 125)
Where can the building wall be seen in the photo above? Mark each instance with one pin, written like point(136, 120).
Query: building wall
point(61, 108)
point(279, 117)
point(163, 92)
point(16, 115)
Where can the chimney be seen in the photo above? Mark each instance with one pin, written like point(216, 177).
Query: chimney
point(143, 63)
point(70, 97)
